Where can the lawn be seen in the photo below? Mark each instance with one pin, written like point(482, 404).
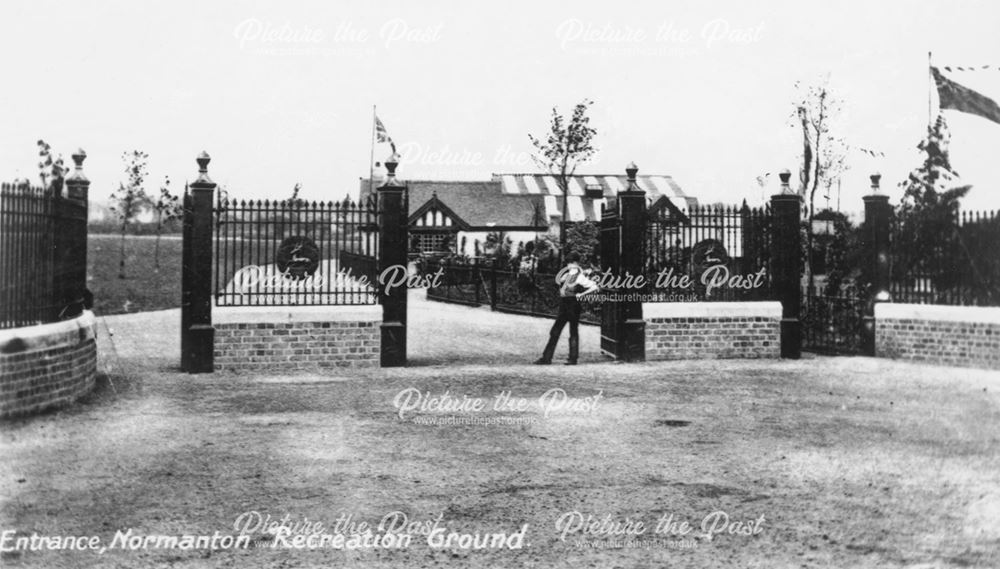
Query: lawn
point(145, 287)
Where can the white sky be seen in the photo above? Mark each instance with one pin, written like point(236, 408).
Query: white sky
point(460, 84)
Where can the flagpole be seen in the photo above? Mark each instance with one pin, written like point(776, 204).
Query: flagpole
point(371, 159)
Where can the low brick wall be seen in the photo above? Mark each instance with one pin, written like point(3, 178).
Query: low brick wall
point(296, 337)
point(966, 336)
point(712, 330)
point(47, 366)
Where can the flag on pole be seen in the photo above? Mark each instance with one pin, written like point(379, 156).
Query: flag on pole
point(382, 135)
point(961, 98)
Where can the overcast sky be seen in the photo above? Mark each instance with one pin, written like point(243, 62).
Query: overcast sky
point(282, 92)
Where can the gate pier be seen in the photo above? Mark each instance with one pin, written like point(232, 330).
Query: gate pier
point(392, 252)
point(786, 265)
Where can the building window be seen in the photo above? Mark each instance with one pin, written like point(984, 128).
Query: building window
point(435, 242)
point(434, 218)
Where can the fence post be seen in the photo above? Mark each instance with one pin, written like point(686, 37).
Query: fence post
point(198, 340)
point(493, 284)
point(632, 330)
point(392, 253)
point(186, 222)
point(748, 231)
point(476, 279)
point(786, 265)
point(71, 243)
point(876, 247)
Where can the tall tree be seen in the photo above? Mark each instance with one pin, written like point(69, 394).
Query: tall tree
point(166, 207)
point(568, 144)
point(127, 201)
point(934, 181)
point(929, 234)
point(823, 153)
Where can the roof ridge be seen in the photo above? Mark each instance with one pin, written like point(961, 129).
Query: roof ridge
point(574, 175)
point(453, 181)
point(425, 181)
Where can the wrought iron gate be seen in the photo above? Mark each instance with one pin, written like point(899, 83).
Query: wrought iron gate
point(833, 324)
point(610, 253)
point(622, 248)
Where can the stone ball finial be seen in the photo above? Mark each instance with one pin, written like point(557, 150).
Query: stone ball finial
point(203, 160)
point(876, 178)
point(631, 170)
point(78, 157)
point(77, 178)
point(203, 182)
point(785, 175)
point(390, 166)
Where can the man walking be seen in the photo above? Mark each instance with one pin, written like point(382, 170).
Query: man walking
point(573, 284)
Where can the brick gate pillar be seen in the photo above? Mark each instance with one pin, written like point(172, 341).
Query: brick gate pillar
point(198, 334)
point(392, 253)
point(786, 265)
point(632, 201)
point(875, 243)
point(71, 244)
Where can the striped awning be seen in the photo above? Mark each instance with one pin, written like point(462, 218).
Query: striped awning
point(582, 207)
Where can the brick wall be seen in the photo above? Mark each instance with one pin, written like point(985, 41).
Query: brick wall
point(712, 330)
point(963, 336)
point(270, 338)
point(47, 366)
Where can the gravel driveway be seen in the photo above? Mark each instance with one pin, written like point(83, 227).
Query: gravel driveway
point(822, 462)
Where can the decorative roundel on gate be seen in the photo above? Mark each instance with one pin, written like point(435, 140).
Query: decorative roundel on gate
point(708, 253)
point(298, 257)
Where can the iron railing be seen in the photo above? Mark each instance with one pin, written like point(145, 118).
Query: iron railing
point(294, 252)
point(952, 261)
point(482, 283)
point(42, 273)
point(712, 246)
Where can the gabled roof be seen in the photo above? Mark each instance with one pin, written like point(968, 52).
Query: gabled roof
point(434, 204)
point(673, 212)
point(480, 205)
point(510, 200)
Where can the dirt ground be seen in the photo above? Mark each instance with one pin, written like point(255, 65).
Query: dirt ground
point(825, 462)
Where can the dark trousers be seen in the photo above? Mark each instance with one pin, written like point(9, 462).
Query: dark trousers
point(569, 311)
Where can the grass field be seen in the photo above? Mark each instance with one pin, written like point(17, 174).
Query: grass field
point(144, 287)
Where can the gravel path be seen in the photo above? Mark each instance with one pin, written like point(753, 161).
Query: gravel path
point(826, 462)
